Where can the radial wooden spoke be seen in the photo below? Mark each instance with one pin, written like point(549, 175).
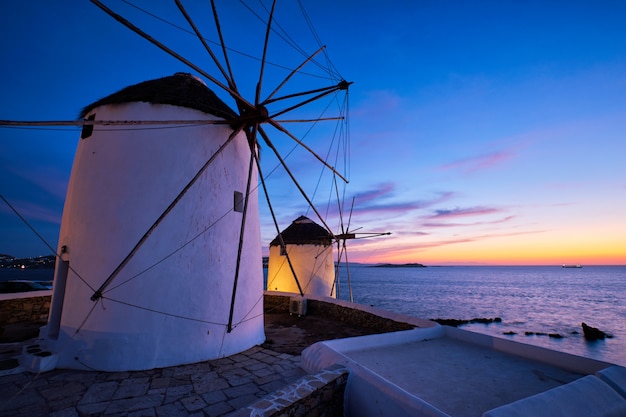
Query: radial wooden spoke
point(339, 206)
point(259, 84)
point(241, 236)
point(345, 232)
point(231, 77)
point(227, 77)
point(162, 46)
point(350, 216)
point(325, 91)
point(278, 232)
point(320, 119)
point(340, 249)
point(98, 293)
point(295, 181)
point(295, 71)
point(348, 271)
point(319, 158)
point(86, 122)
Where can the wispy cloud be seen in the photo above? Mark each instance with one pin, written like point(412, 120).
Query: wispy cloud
point(437, 224)
point(397, 249)
point(479, 162)
point(411, 233)
point(372, 201)
point(462, 212)
point(382, 190)
point(32, 211)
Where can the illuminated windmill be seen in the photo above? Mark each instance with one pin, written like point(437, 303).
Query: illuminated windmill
point(301, 260)
point(159, 253)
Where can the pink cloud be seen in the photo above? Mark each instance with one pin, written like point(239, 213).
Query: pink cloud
point(398, 249)
point(380, 191)
point(369, 202)
point(480, 162)
point(436, 225)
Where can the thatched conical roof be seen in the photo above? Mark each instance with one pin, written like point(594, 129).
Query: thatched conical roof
point(304, 231)
point(180, 89)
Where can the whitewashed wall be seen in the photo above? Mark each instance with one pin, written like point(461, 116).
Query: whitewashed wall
point(121, 182)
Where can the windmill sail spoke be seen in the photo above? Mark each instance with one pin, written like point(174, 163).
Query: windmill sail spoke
point(85, 122)
point(337, 283)
point(265, 44)
point(350, 216)
point(294, 72)
point(227, 77)
point(349, 236)
point(98, 293)
point(320, 119)
point(339, 205)
point(348, 272)
point(242, 231)
point(293, 178)
point(162, 46)
point(231, 77)
point(372, 234)
point(324, 90)
point(299, 142)
point(279, 234)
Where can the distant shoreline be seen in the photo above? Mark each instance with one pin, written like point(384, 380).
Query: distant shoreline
point(409, 265)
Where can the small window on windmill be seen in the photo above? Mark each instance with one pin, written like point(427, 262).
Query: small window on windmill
point(238, 202)
point(87, 129)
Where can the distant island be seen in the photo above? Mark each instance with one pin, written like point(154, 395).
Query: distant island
point(38, 262)
point(409, 265)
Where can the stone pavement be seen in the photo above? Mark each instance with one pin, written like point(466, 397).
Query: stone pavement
point(211, 388)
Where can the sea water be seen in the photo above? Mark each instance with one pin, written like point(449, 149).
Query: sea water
point(534, 299)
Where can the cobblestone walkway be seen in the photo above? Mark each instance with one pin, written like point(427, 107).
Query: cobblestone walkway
point(212, 388)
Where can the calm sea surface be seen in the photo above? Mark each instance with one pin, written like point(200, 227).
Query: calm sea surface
point(528, 299)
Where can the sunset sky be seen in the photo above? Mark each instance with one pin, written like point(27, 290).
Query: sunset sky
point(481, 132)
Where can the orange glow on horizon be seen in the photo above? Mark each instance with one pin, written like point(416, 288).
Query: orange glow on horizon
point(505, 252)
point(455, 259)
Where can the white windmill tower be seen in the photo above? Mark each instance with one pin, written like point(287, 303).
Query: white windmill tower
point(159, 259)
point(133, 196)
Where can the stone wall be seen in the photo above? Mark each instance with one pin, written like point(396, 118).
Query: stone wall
point(35, 309)
point(24, 309)
point(315, 395)
point(348, 314)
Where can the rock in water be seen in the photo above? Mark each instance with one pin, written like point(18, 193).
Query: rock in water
point(592, 333)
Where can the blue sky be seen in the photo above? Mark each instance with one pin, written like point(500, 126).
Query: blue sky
point(487, 132)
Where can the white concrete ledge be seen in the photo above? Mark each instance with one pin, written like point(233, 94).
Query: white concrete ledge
point(573, 363)
point(585, 397)
point(27, 294)
point(430, 372)
point(615, 376)
point(367, 393)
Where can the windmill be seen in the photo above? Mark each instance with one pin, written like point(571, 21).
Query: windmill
point(95, 321)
